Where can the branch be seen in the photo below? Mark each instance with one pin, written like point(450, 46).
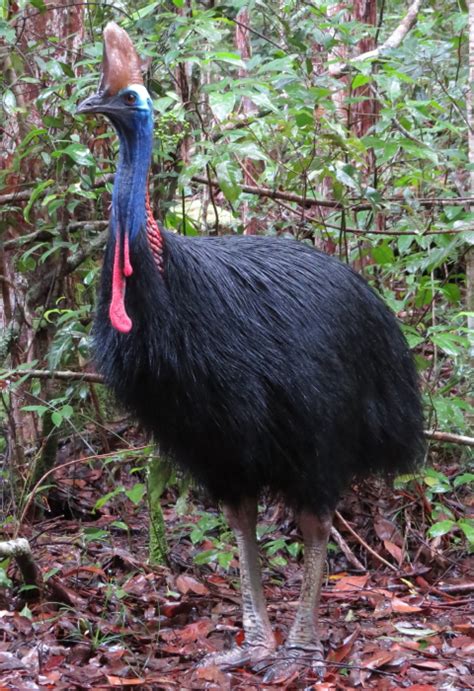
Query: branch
point(364, 544)
point(393, 41)
point(65, 375)
point(94, 377)
point(346, 550)
point(20, 550)
point(449, 438)
point(71, 265)
point(239, 124)
point(24, 195)
point(47, 233)
point(331, 204)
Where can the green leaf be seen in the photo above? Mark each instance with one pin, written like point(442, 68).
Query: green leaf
point(38, 409)
point(451, 344)
point(91, 534)
point(360, 80)
point(136, 493)
point(343, 176)
point(107, 497)
point(5, 582)
point(383, 254)
point(37, 192)
point(221, 104)
point(57, 418)
point(79, 153)
point(67, 411)
point(227, 175)
point(467, 527)
point(231, 58)
point(39, 4)
point(9, 101)
point(224, 559)
point(459, 480)
point(304, 118)
point(205, 557)
point(440, 528)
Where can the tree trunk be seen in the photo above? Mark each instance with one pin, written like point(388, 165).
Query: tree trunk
point(470, 119)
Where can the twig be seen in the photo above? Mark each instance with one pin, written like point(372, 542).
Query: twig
point(359, 539)
point(46, 233)
point(67, 375)
point(239, 124)
point(346, 550)
point(24, 195)
point(332, 204)
point(71, 265)
point(456, 587)
point(449, 437)
point(393, 41)
point(74, 461)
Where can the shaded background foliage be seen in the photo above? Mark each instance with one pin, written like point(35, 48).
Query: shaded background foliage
point(258, 130)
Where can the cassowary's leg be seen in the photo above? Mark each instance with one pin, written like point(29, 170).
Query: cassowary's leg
point(303, 648)
point(259, 639)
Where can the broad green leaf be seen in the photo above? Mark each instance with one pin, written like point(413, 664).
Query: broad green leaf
point(57, 418)
point(136, 493)
point(221, 104)
point(467, 527)
point(383, 254)
point(304, 118)
point(79, 153)
point(9, 101)
point(441, 528)
point(227, 175)
point(463, 479)
point(360, 80)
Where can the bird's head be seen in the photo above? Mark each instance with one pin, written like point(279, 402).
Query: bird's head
point(123, 98)
point(121, 95)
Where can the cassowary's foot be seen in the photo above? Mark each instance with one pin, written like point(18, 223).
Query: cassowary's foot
point(293, 660)
point(248, 653)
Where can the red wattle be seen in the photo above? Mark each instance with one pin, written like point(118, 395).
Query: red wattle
point(117, 313)
point(127, 266)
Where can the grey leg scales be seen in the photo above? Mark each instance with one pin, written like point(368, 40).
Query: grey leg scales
point(259, 639)
point(303, 648)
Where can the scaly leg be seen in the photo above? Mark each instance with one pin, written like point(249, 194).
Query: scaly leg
point(303, 648)
point(259, 639)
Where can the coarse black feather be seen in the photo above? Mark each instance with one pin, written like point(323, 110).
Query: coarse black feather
point(262, 364)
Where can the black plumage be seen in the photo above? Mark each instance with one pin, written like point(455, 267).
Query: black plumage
point(261, 363)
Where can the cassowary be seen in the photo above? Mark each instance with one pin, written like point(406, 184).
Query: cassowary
point(260, 365)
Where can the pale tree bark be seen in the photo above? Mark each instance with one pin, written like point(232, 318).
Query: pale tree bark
point(20, 342)
point(470, 119)
point(247, 108)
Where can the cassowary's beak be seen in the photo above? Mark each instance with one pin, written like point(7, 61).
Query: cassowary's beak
point(93, 104)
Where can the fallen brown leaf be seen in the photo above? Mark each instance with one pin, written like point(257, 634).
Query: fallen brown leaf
point(186, 583)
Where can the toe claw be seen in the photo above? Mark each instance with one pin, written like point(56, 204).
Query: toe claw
point(293, 661)
point(236, 656)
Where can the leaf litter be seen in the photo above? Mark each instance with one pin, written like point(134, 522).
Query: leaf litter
point(107, 619)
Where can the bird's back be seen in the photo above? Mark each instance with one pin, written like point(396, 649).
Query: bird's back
point(262, 363)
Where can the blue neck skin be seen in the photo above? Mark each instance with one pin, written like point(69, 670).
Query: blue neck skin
point(135, 131)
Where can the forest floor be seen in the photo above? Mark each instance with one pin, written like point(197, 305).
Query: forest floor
point(106, 619)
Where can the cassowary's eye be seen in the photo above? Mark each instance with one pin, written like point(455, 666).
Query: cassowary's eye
point(130, 99)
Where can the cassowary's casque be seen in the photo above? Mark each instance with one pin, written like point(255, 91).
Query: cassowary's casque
point(259, 364)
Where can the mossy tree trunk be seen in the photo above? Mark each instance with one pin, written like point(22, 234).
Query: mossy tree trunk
point(159, 473)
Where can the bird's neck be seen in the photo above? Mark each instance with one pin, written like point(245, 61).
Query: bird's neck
point(131, 212)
